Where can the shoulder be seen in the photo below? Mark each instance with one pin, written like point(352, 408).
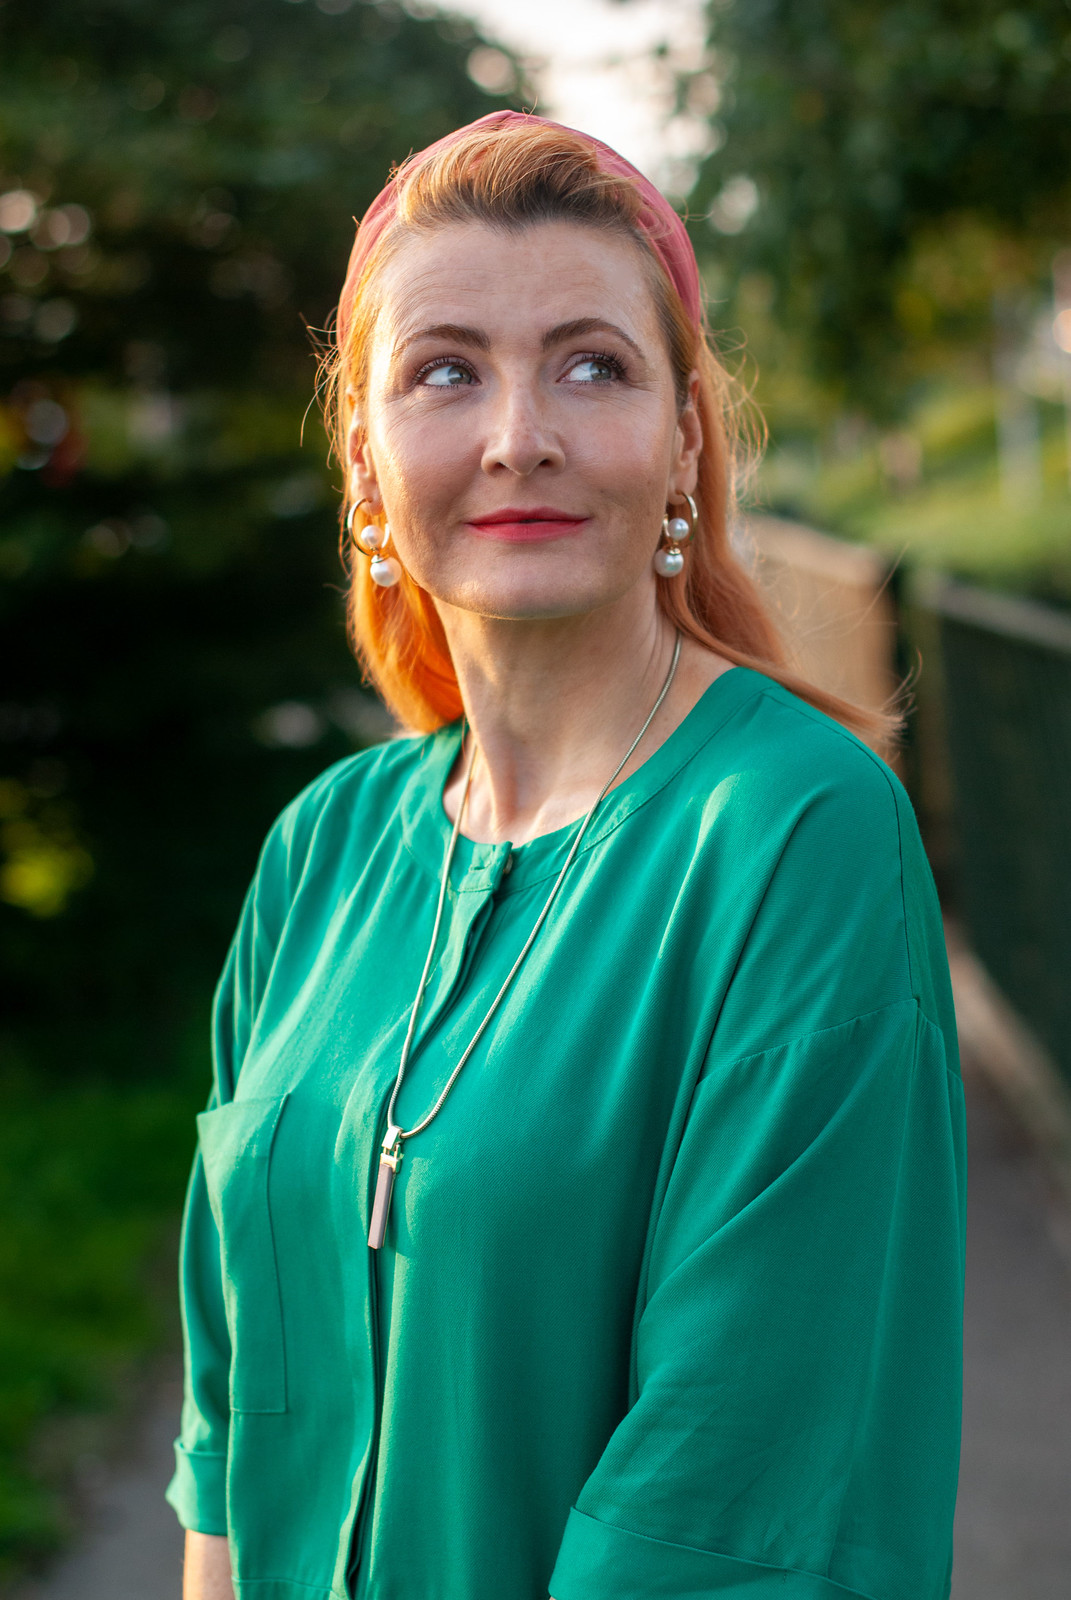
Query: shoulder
point(825, 850)
point(786, 765)
point(358, 791)
point(369, 776)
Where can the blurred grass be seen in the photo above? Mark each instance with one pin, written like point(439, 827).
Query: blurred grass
point(951, 511)
point(91, 1180)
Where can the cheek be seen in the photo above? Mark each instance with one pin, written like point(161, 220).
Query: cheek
point(628, 459)
point(422, 467)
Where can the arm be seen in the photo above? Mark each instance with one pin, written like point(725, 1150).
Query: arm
point(198, 1489)
point(793, 1431)
point(206, 1573)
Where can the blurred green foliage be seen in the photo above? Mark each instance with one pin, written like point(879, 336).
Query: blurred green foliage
point(910, 158)
point(89, 1174)
point(177, 189)
point(179, 184)
point(885, 212)
point(930, 493)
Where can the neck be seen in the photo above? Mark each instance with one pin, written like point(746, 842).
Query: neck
point(553, 706)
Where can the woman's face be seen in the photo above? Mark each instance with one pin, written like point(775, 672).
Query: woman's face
point(522, 432)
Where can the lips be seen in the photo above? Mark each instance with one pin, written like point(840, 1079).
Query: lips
point(521, 525)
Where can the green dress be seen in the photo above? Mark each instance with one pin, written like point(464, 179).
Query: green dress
point(671, 1299)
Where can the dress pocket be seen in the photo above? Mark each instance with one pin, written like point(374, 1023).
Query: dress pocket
point(236, 1145)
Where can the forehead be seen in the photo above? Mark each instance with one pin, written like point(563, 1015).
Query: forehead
point(512, 281)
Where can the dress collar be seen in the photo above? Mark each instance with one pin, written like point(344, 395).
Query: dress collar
point(480, 867)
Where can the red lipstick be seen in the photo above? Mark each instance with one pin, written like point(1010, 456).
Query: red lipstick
point(524, 524)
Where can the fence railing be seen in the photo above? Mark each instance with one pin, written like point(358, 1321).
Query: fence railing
point(1006, 692)
point(989, 754)
point(833, 600)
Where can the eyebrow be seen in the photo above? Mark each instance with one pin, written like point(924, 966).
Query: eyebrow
point(583, 325)
point(446, 330)
point(479, 340)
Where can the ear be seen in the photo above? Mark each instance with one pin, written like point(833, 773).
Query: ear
point(688, 444)
point(364, 482)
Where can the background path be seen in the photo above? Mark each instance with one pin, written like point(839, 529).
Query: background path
point(1013, 1528)
point(132, 1545)
point(1013, 1517)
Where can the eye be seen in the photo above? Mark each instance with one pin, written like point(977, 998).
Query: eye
point(595, 369)
point(445, 374)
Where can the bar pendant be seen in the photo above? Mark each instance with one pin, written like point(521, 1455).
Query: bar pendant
point(381, 1203)
point(388, 1170)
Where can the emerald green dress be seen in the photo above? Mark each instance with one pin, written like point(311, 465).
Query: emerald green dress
point(671, 1298)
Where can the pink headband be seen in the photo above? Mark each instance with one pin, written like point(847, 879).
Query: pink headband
point(663, 228)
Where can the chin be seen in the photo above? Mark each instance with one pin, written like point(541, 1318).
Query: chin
point(542, 592)
point(517, 601)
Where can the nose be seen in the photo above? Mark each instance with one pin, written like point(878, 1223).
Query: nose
point(521, 438)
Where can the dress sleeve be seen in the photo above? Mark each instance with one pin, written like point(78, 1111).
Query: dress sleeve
point(197, 1491)
point(795, 1430)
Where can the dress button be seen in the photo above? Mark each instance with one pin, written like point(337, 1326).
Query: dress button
point(507, 865)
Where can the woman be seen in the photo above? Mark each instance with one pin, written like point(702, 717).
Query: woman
point(580, 1203)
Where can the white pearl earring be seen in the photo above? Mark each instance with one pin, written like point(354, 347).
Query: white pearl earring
point(668, 559)
point(383, 570)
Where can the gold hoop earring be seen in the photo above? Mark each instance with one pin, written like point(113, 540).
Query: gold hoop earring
point(350, 514)
point(383, 570)
point(668, 558)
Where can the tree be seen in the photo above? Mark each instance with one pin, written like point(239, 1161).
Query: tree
point(887, 168)
point(178, 187)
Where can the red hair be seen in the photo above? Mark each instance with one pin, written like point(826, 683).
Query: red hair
point(515, 173)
